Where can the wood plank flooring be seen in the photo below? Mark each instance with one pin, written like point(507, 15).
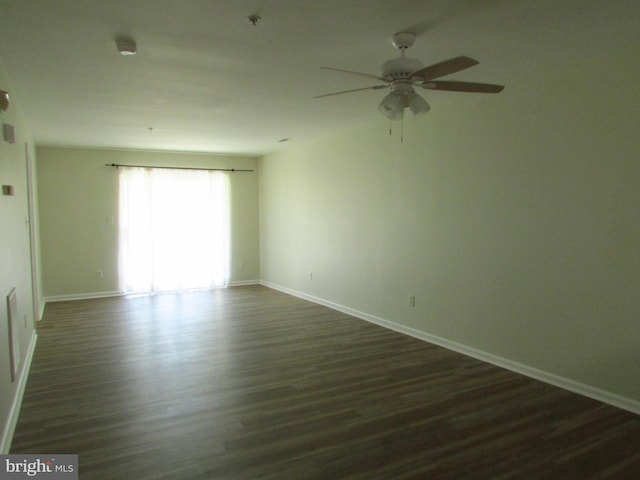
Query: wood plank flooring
point(250, 383)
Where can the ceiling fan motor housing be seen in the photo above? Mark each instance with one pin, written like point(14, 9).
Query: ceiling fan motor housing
point(400, 68)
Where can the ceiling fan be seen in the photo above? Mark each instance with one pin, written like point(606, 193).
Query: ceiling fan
point(402, 75)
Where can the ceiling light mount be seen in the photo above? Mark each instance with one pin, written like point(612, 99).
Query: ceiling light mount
point(254, 19)
point(403, 40)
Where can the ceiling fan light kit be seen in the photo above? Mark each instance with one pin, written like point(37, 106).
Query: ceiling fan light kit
point(403, 75)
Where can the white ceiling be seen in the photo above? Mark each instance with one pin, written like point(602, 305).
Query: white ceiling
point(206, 80)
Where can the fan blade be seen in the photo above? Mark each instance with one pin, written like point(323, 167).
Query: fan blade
point(366, 75)
point(454, 86)
point(375, 87)
point(441, 69)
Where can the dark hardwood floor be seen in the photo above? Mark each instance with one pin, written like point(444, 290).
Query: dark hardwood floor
point(250, 383)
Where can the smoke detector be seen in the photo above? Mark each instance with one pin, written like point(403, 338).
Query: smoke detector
point(126, 46)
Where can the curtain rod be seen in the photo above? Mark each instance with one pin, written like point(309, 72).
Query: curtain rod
point(179, 168)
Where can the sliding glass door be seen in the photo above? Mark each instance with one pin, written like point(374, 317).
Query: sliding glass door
point(174, 229)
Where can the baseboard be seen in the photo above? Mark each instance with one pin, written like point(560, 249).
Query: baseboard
point(92, 295)
point(241, 283)
point(517, 367)
point(81, 296)
point(14, 411)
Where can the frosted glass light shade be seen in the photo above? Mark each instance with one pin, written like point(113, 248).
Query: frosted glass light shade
point(392, 106)
point(418, 105)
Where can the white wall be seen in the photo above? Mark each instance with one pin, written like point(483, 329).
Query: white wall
point(514, 219)
point(15, 262)
point(78, 194)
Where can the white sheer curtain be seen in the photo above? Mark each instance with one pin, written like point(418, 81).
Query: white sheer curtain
point(174, 229)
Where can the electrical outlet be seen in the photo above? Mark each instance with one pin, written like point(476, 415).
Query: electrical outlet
point(412, 300)
point(99, 274)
